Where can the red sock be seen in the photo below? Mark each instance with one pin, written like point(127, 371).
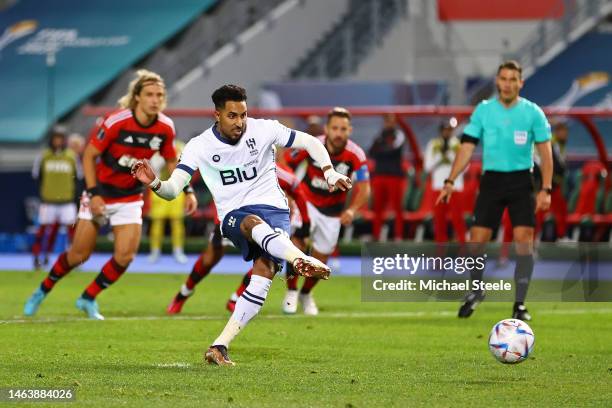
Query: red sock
point(245, 282)
point(198, 272)
point(59, 270)
point(292, 282)
point(70, 231)
point(309, 283)
point(292, 278)
point(111, 271)
point(51, 238)
point(40, 235)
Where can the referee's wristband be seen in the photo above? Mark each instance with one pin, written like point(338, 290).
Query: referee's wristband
point(547, 190)
point(449, 181)
point(188, 189)
point(93, 191)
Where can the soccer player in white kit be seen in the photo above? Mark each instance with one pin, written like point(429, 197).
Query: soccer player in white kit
point(236, 160)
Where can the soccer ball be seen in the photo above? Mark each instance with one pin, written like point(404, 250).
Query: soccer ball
point(511, 341)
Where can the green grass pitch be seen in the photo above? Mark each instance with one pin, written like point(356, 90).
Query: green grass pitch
point(353, 354)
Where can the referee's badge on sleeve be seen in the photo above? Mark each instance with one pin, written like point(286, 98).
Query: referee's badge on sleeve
point(520, 137)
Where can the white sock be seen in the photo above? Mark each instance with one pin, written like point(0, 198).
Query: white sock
point(275, 243)
point(247, 306)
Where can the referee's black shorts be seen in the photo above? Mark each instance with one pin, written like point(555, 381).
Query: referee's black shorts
point(499, 190)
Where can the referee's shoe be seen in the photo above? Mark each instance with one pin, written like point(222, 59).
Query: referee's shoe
point(472, 300)
point(519, 311)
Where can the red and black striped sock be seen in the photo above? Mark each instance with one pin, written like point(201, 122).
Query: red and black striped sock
point(51, 239)
point(38, 240)
point(309, 283)
point(59, 270)
point(245, 282)
point(111, 271)
point(198, 272)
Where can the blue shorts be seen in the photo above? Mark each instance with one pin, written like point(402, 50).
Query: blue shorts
point(275, 217)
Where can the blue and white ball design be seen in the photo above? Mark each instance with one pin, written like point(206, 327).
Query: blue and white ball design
point(511, 341)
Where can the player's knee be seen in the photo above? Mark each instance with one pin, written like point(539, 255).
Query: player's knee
point(78, 257)
point(248, 223)
point(212, 256)
point(523, 236)
point(524, 247)
point(124, 257)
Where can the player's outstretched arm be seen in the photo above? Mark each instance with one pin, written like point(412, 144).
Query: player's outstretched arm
point(317, 151)
point(168, 189)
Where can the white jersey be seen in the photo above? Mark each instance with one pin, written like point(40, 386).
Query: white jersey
point(240, 174)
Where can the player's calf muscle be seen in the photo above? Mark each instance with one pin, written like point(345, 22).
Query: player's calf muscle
point(83, 243)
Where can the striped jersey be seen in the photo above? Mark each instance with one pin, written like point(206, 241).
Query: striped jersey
point(351, 160)
point(122, 141)
point(291, 186)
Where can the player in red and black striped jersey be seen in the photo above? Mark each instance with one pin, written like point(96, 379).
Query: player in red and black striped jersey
point(213, 253)
point(326, 209)
point(113, 195)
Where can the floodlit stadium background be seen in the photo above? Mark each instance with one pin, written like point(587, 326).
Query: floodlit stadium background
point(426, 61)
point(64, 63)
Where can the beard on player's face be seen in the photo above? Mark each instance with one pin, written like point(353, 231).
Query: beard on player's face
point(337, 142)
point(337, 132)
point(232, 119)
point(231, 129)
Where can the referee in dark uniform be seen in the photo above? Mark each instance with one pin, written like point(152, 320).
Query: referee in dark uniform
point(509, 127)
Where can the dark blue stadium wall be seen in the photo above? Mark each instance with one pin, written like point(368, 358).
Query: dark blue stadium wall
point(17, 186)
point(579, 76)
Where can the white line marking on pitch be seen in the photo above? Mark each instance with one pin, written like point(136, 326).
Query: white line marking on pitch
point(337, 315)
point(172, 365)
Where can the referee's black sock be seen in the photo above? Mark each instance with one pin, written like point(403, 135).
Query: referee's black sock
point(476, 273)
point(522, 276)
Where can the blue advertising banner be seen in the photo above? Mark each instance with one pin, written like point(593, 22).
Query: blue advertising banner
point(56, 53)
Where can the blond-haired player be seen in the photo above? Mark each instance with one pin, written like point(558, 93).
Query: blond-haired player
point(135, 132)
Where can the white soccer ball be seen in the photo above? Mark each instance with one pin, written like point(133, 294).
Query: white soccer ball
point(511, 341)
